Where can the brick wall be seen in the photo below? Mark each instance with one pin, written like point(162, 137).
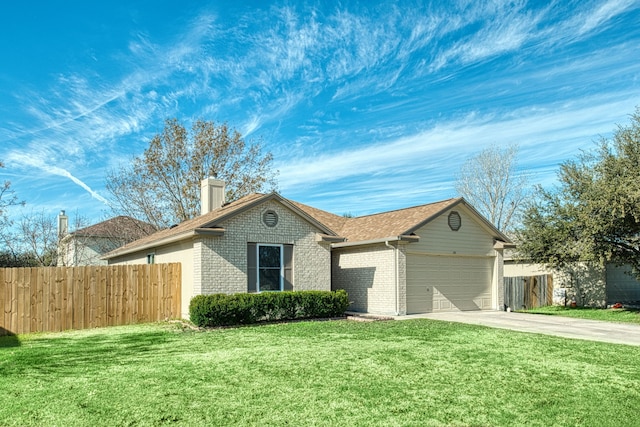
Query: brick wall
point(222, 261)
point(368, 275)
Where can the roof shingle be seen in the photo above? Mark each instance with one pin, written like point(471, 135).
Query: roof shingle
point(359, 229)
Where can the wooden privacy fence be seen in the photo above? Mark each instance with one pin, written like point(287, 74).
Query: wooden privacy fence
point(528, 292)
point(49, 299)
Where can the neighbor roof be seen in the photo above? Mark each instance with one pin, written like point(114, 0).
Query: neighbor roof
point(122, 227)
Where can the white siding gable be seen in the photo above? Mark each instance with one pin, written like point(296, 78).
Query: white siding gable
point(472, 239)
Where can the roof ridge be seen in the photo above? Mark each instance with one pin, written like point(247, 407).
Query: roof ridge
point(407, 208)
point(112, 220)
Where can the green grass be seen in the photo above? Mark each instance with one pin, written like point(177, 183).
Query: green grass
point(413, 373)
point(608, 315)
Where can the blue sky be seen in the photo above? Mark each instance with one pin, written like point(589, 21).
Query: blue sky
point(366, 107)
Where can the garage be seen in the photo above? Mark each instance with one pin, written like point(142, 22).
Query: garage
point(448, 283)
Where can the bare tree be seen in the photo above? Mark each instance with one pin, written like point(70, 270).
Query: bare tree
point(491, 183)
point(36, 235)
point(162, 187)
point(7, 198)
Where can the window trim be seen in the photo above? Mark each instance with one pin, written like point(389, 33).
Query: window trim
point(281, 247)
point(151, 258)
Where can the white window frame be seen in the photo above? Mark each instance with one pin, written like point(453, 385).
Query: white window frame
point(151, 258)
point(258, 246)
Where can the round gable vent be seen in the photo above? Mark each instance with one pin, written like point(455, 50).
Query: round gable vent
point(455, 222)
point(270, 218)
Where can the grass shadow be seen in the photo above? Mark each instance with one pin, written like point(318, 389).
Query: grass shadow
point(8, 339)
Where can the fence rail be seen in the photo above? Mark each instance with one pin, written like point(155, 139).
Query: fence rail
point(49, 299)
point(528, 291)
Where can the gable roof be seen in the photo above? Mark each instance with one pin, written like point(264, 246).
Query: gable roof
point(119, 227)
point(394, 224)
point(209, 223)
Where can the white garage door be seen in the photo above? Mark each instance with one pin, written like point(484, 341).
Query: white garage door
point(447, 283)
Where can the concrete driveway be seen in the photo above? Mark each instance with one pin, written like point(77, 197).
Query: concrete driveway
point(618, 333)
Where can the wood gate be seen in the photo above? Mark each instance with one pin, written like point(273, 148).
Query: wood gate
point(525, 292)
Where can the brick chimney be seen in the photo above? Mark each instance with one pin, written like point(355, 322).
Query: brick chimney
point(211, 195)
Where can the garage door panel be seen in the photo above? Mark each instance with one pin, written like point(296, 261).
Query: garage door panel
point(441, 283)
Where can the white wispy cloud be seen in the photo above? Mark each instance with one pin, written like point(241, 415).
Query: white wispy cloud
point(603, 13)
point(453, 141)
point(362, 86)
point(39, 162)
point(83, 117)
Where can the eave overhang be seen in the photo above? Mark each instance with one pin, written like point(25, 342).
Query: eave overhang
point(499, 245)
point(198, 232)
point(329, 239)
point(404, 238)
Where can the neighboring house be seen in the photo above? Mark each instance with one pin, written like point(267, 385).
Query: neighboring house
point(587, 284)
point(435, 257)
point(87, 245)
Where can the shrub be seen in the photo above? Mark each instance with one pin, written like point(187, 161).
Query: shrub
point(242, 309)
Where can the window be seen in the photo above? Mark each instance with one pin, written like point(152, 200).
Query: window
point(269, 267)
point(151, 258)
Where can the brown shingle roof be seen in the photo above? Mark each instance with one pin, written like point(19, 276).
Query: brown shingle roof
point(360, 229)
point(201, 221)
point(393, 223)
point(333, 221)
point(377, 226)
point(121, 227)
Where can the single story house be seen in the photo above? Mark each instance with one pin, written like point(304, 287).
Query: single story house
point(434, 257)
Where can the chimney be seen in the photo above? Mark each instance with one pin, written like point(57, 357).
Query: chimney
point(211, 195)
point(63, 225)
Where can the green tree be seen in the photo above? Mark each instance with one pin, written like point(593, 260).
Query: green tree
point(593, 214)
point(491, 183)
point(162, 186)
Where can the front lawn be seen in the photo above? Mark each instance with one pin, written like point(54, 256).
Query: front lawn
point(609, 315)
point(415, 372)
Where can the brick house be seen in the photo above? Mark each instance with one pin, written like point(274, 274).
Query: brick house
point(434, 257)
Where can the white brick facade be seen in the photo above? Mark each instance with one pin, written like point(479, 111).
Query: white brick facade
point(220, 263)
point(213, 250)
point(370, 277)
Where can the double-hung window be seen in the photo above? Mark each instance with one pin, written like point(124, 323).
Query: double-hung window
point(269, 267)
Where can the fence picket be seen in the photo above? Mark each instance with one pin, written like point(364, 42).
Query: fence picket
point(51, 299)
point(528, 291)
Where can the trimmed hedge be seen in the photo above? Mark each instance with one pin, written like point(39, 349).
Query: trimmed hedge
point(242, 309)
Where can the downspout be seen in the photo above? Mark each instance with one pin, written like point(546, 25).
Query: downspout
point(396, 290)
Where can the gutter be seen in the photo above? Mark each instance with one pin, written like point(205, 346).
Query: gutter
point(402, 238)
